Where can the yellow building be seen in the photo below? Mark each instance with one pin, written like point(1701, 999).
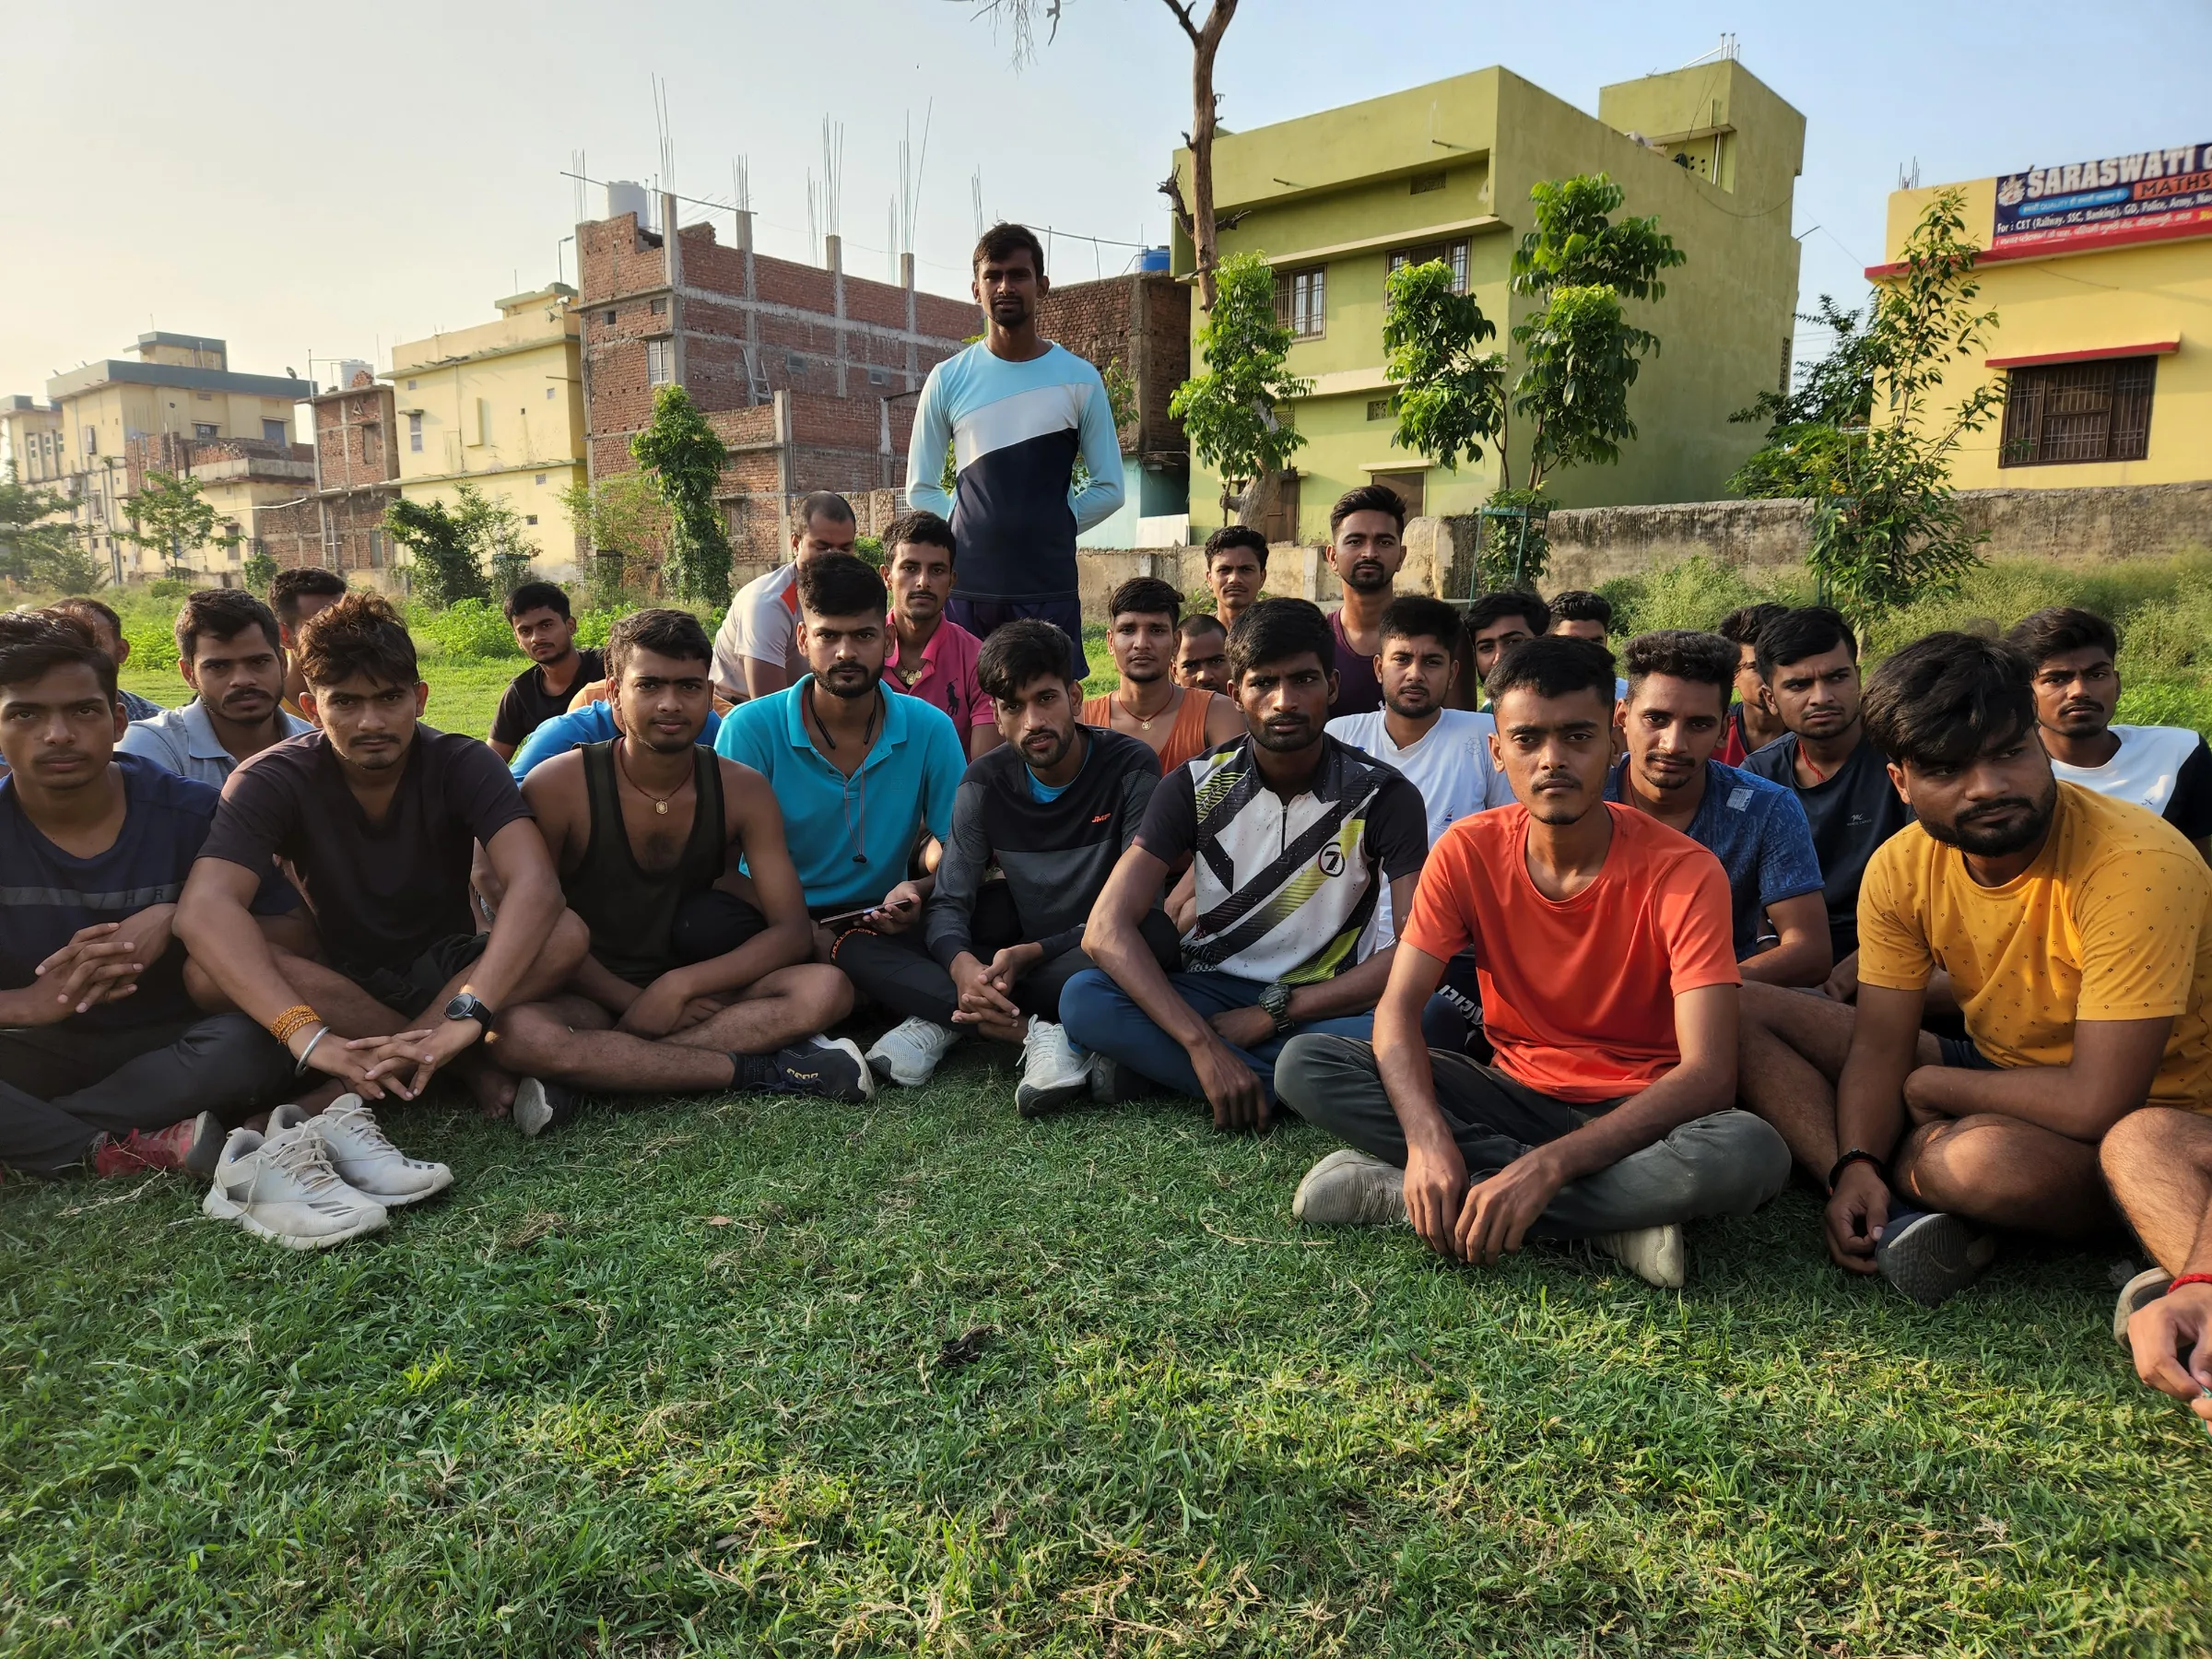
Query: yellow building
point(501, 406)
point(29, 441)
point(2100, 275)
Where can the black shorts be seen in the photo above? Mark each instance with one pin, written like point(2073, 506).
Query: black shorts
point(1961, 1052)
point(979, 617)
point(410, 990)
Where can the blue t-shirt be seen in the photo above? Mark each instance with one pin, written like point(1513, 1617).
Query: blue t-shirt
point(47, 895)
point(850, 838)
point(1759, 832)
point(595, 722)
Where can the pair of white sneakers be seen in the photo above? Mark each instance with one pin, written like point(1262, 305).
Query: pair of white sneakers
point(1053, 1074)
point(309, 1183)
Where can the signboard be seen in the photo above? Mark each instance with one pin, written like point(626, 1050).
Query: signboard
point(2142, 197)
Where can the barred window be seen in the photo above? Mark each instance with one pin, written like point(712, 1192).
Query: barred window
point(2073, 412)
point(1302, 301)
point(1454, 253)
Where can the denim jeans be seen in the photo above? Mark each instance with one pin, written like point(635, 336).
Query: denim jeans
point(1103, 1018)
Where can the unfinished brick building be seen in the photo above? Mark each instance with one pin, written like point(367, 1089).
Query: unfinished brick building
point(1141, 324)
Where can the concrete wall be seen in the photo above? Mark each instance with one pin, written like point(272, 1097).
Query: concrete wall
point(1438, 560)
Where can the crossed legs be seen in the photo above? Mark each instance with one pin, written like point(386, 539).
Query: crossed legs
point(2160, 1163)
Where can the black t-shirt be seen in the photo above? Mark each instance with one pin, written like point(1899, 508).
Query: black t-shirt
point(382, 893)
point(2190, 810)
point(1852, 812)
point(1358, 689)
point(527, 704)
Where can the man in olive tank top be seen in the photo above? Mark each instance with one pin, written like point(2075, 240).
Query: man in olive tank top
point(698, 977)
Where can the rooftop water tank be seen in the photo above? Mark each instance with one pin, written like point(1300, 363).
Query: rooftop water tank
point(1153, 259)
point(626, 195)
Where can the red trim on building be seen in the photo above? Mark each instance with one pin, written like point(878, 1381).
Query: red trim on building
point(2192, 222)
point(2089, 355)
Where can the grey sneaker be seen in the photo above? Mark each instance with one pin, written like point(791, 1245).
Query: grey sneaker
point(2138, 1293)
point(1931, 1257)
point(1350, 1189)
point(907, 1054)
point(1053, 1074)
point(539, 1106)
point(283, 1188)
point(363, 1155)
point(1652, 1253)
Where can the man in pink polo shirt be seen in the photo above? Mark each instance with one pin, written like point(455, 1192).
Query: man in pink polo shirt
point(930, 657)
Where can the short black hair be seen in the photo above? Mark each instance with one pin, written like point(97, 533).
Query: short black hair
point(1274, 630)
point(1552, 665)
point(1418, 617)
point(219, 613)
point(838, 584)
point(361, 635)
point(1945, 699)
point(1684, 653)
point(537, 596)
point(1145, 596)
point(1236, 536)
point(1740, 627)
point(286, 588)
point(1580, 604)
point(1368, 498)
point(1019, 652)
point(86, 608)
point(921, 529)
point(1002, 242)
point(2045, 635)
point(1508, 602)
point(1809, 630)
point(663, 631)
point(1197, 622)
point(32, 643)
point(824, 503)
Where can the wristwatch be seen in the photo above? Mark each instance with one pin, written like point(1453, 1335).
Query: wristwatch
point(468, 1005)
point(1275, 1001)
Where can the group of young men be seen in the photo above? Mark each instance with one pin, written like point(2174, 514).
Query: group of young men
point(1608, 954)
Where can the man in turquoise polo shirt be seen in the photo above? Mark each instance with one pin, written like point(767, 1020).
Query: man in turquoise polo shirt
point(862, 776)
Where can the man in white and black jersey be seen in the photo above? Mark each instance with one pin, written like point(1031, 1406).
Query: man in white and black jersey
point(1292, 837)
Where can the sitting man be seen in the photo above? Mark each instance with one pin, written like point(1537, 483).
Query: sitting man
point(377, 815)
point(931, 656)
point(1236, 570)
point(1610, 995)
point(592, 722)
point(2167, 769)
point(1053, 808)
point(1202, 655)
point(1178, 723)
point(1298, 836)
point(756, 650)
point(104, 1058)
point(1752, 723)
point(1579, 614)
point(229, 655)
point(2158, 1164)
point(107, 633)
point(2072, 929)
point(1367, 546)
point(1678, 682)
point(1499, 620)
point(294, 596)
point(546, 630)
point(640, 828)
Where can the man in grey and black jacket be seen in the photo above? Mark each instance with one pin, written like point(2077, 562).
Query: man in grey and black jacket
point(1053, 808)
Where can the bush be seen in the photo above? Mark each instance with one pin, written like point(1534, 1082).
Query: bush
point(153, 643)
point(1695, 594)
point(468, 630)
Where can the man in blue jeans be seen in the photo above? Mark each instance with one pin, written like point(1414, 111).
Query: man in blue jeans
point(1292, 835)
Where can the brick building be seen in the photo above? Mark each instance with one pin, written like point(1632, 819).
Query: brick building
point(808, 374)
point(1138, 325)
point(340, 524)
point(255, 485)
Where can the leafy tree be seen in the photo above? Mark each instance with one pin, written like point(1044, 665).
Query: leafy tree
point(1230, 412)
point(35, 545)
point(494, 533)
point(1807, 426)
point(445, 567)
point(259, 569)
point(170, 516)
point(685, 456)
point(1121, 401)
point(625, 523)
point(1450, 397)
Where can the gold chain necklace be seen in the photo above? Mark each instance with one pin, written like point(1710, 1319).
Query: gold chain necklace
point(1144, 723)
point(660, 803)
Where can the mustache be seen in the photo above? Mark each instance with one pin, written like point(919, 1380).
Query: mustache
point(1997, 808)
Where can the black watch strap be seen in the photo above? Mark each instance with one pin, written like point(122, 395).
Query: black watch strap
point(1856, 1155)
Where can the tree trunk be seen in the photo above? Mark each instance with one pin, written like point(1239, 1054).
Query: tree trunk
point(1205, 44)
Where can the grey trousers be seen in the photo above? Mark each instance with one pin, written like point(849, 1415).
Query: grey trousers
point(1725, 1164)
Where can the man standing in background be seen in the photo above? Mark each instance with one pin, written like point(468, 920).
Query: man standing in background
point(1202, 655)
point(1178, 724)
point(1016, 410)
point(757, 651)
point(1236, 570)
point(295, 595)
point(1366, 545)
point(107, 632)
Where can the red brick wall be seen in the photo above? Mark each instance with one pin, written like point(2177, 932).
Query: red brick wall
point(292, 532)
point(355, 437)
point(1141, 321)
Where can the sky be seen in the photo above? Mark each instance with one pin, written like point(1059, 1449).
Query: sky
point(315, 182)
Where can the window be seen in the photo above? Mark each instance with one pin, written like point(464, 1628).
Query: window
point(276, 432)
point(657, 362)
point(482, 420)
point(548, 393)
point(204, 396)
point(372, 442)
point(1454, 253)
point(541, 477)
point(1301, 301)
point(530, 518)
point(2062, 412)
point(203, 429)
point(1422, 183)
point(608, 317)
point(410, 385)
point(660, 307)
point(879, 377)
point(376, 550)
point(1378, 409)
point(793, 363)
point(415, 433)
point(91, 441)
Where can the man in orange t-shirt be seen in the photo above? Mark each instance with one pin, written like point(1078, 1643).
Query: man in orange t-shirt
point(1603, 941)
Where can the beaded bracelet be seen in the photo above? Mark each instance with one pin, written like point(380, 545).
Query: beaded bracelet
point(291, 1022)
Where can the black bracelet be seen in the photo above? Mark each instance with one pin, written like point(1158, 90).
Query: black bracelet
point(1857, 1156)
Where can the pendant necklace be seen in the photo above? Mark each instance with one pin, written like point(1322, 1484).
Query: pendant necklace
point(1144, 723)
point(660, 803)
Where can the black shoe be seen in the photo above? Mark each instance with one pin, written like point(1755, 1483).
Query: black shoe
point(540, 1106)
point(834, 1069)
point(1930, 1256)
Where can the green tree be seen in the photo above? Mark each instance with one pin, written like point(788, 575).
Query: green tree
point(170, 516)
point(259, 572)
point(445, 570)
point(1231, 412)
point(36, 548)
point(625, 523)
point(494, 533)
point(1449, 396)
point(1120, 402)
point(1807, 426)
point(685, 457)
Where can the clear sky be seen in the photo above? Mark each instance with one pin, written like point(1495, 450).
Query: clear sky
point(328, 179)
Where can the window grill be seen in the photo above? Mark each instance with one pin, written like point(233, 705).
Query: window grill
point(2062, 412)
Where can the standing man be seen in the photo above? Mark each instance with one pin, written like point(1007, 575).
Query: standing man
point(1016, 410)
point(1366, 545)
point(538, 612)
point(932, 657)
point(107, 633)
point(2166, 769)
point(1298, 838)
point(757, 651)
point(1752, 723)
point(1808, 661)
point(1236, 570)
point(1178, 723)
point(227, 653)
point(1202, 655)
point(1670, 723)
point(295, 595)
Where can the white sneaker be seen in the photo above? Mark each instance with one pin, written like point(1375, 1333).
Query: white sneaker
point(1652, 1253)
point(907, 1054)
point(1053, 1074)
point(283, 1189)
point(363, 1155)
point(1350, 1189)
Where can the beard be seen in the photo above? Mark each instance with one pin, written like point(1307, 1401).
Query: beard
point(849, 680)
point(1970, 834)
point(1041, 757)
point(1366, 576)
point(1411, 703)
point(1305, 734)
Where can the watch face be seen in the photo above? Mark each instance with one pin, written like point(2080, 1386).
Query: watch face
point(462, 1007)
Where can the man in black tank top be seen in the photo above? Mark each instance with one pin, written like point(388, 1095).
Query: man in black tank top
point(697, 979)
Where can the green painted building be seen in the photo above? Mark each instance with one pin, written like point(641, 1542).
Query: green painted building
point(1335, 200)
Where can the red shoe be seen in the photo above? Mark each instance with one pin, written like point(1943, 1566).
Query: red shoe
point(193, 1145)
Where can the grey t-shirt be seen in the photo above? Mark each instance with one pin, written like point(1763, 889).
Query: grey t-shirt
point(1852, 812)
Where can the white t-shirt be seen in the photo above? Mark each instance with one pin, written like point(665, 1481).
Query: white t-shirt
point(1450, 766)
point(762, 623)
point(2150, 770)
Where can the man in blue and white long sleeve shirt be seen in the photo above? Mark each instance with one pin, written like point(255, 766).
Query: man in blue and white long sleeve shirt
point(1016, 410)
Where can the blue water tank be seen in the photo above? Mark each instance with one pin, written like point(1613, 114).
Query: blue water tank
point(1153, 259)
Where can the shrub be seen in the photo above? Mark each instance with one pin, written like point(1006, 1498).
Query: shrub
point(468, 630)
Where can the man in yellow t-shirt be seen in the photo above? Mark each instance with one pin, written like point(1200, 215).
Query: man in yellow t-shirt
point(2074, 930)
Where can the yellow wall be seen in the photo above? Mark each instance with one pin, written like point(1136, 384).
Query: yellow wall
point(2082, 301)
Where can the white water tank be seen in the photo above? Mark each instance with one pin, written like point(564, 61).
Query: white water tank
point(626, 195)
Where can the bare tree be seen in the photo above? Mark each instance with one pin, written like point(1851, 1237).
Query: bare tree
point(1196, 217)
